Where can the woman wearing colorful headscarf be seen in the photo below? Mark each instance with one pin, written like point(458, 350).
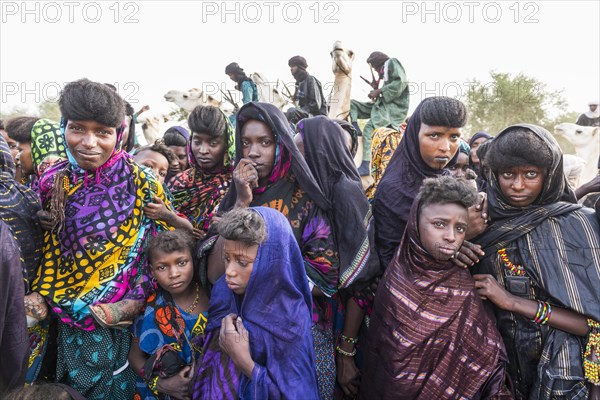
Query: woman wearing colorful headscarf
point(271, 172)
point(541, 269)
point(94, 206)
point(198, 191)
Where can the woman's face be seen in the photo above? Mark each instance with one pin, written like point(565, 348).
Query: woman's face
point(181, 164)
point(521, 185)
point(209, 151)
point(442, 229)
point(13, 145)
point(459, 169)
point(474, 147)
point(91, 143)
point(258, 145)
point(438, 144)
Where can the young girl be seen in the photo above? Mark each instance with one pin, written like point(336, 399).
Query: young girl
point(175, 315)
point(430, 336)
point(260, 314)
point(542, 268)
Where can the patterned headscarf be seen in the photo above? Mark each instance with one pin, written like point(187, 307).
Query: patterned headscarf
point(97, 256)
point(18, 209)
point(46, 141)
point(196, 193)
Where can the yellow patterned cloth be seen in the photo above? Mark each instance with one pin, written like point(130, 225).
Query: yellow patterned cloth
point(385, 142)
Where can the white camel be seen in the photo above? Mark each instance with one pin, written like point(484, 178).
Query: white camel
point(152, 125)
point(587, 146)
point(189, 99)
point(341, 65)
point(268, 91)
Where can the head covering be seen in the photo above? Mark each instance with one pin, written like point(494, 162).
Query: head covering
point(423, 307)
point(276, 311)
point(96, 255)
point(556, 187)
point(556, 243)
point(377, 59)
point(287, 155)
point(331, 163)
point(464, 148)
point(182, 131)
point(18, 209)
point(399, 187)
point(298, 61)
point(46, 141)
point(196, 193)
point(234, 68)
point(479, 135)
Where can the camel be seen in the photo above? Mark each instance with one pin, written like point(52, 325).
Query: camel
point(189, 99)
point(339, 100)
point(152, 125)
point(585, 140)
point(267, 91)
point(572, 168)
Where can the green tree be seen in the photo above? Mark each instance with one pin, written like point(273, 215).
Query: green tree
point(507, 100)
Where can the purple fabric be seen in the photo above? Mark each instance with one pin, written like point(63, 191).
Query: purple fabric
point(399, 187)
point(276, 311)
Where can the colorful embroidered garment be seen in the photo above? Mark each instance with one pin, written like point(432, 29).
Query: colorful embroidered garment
point(163, 323)
point(47, 145)
point(18, 208)
point(97, 255)
point(197, 194)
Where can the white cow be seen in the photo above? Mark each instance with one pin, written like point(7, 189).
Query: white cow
point(585, 139)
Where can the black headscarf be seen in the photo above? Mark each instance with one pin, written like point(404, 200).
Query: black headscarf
point(301, 63)
point(399, 187)
point(556, 198)
point(275, 119)
point(329, 159)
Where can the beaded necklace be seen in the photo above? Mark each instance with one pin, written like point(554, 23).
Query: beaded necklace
point(515, 270)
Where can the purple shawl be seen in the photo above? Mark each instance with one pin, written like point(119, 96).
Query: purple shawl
point(276, 311)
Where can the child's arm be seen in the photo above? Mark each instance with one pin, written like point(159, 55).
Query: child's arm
point(159, 211)
point(136, 356)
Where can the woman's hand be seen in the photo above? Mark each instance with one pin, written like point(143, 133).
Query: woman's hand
point(468, 255)
point(177, 386)
point(488, 288)
point(245, 178)
point(234, 341)
point(348, 375)
point(478, 217)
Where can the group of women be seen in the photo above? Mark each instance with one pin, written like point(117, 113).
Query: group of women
point(290, 282)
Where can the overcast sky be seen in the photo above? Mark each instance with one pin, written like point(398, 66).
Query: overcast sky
point(149, 47)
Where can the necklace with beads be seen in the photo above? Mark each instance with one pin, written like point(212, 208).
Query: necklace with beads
point(516, 270)
point(191, 308)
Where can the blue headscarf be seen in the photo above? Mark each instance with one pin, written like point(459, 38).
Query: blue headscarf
point(276, 311)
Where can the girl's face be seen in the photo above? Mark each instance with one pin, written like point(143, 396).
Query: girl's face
point(438, 144)
point(91, 143)
point(208, 151)
point(258, 145)
point(155, 161)
point(442, 229)
point(173, 271)
point(521, 185)
point(474, 147)
point(239, 261)
point(459, 169)
point(182, 159)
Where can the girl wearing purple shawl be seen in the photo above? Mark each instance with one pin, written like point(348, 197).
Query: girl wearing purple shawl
point(429, 145)
point(260, 314)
